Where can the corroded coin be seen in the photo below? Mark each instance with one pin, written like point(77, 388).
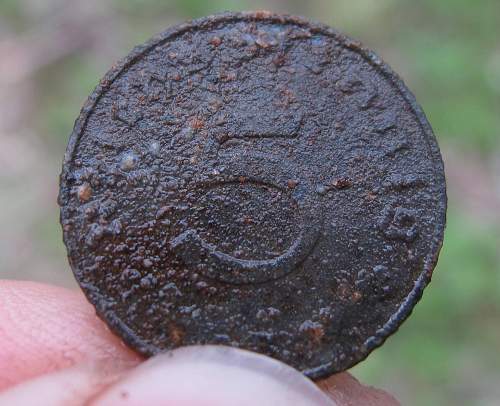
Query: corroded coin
point(257, 181)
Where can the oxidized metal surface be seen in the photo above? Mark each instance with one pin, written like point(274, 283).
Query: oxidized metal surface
point(257, 181)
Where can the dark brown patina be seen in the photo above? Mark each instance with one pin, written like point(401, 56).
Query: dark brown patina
point(258, 181)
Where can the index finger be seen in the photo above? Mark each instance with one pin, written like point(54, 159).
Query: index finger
point(46, 328)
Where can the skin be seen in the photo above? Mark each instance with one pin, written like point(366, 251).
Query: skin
point(54, 349)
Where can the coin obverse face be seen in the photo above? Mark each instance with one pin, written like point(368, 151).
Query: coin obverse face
point(257, 181)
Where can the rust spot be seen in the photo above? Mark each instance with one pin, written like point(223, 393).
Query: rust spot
point(342, 183)
point(176, 334)
point(279, 60)
point(314, 330)
point(263, 14)
point(356, 296)
point(84, 192)
point(262, 42)
point(196, 123)
point(227, 76)
point(343, 291)
point(215, 41)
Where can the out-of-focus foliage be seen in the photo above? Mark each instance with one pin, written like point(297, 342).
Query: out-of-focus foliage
point(447, 51)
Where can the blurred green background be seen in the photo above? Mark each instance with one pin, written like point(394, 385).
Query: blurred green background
point(53, 53)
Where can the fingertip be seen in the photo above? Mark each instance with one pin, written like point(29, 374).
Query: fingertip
point(213, 375)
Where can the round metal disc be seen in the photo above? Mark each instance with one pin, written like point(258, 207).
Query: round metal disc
point(258, 181)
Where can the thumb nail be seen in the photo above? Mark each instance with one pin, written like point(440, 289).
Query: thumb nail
point(213, 375)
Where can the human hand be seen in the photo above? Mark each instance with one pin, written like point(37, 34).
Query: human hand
point(55, 351)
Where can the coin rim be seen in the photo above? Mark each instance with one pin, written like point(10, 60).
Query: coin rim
point(116, 324)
